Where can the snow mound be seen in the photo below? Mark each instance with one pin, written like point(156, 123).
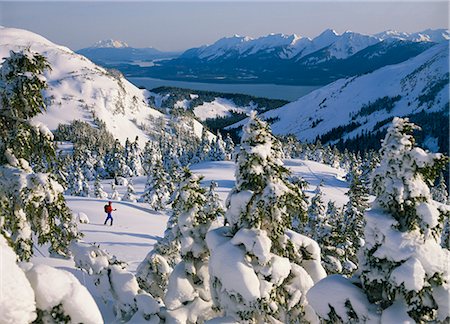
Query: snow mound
point(334, 292)
point(17, 303)
point(237, 274)
point(54, 286)
point(82, 218)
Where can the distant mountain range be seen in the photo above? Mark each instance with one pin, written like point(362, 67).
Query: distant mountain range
point(352, 112)
point(107, 52)
point(290, 59)
point(355, 112)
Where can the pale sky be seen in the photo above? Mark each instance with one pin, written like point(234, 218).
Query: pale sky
point(171, 26)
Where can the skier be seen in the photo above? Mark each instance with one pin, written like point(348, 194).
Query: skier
point(108, 210)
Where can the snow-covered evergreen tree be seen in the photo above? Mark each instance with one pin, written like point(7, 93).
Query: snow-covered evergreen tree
point(130, 195)
point(412, 274)
point(218, 152)
point(370, 161)
point(115, 162)
point(86, 188)
point(114, 193)
point(154, 271)
point(76, 181)
point(404, 271)
point(352, 227)
point(331, 241)
point(133, 158)
point(30, 202)
point(151, 149)
point(213, 204)
point(204, 148)
point(440, 191)
point(98, 189)
point(157, 191)
point(264, 276)
point(229, 147)
point(188, 297)
point(317, 226)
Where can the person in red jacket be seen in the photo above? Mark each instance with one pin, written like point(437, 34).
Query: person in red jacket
point(108, 210)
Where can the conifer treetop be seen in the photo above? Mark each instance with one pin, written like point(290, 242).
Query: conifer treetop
point(401, 181)
point(259, 157)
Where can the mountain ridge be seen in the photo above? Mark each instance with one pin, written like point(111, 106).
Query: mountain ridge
point(290, 59)
point(248, 45)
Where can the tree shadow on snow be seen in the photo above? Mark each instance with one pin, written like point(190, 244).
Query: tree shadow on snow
point(139, 235)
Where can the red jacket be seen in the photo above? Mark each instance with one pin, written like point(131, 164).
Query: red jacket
point(109, 209)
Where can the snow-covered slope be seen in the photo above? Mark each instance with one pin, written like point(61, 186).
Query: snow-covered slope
point(80, 90)
point(419, 84)
point(220, 107)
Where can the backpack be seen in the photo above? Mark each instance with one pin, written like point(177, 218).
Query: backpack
point(106, 208)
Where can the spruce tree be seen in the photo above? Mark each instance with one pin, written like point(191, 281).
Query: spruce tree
point(258, 243)
point(331, 241)
point(130, 195)
point(403, 271)
point(154, 271)
point(86, 188)
point(188, 298)
point(30, 202)
point(316, 216)
point(213, 204)
point(114, 193)
point(134, 159)
point(115, 162)
point(352, 227)
point(76, 180)
point(440, 191)
point(218, 152)
point(98, 189)
point(405, 219)
point(157, 191)
point(204, 148)
point(229, 147)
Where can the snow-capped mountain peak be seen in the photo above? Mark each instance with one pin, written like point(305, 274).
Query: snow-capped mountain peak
point(110, 43)
point(327, 37)
point(392, 34)
point(428, 35)
point(350, 43)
